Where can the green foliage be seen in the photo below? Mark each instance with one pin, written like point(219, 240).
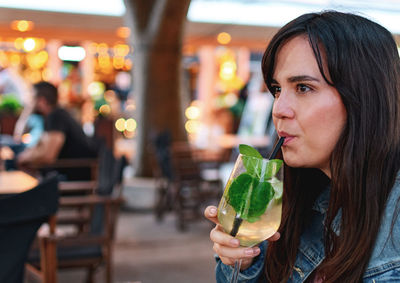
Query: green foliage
point(247, 150)
point(10, 104)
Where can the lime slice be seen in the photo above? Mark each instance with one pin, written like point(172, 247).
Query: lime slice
point(272, 168)
point(278, 188)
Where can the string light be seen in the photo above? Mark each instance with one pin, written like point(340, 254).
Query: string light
point(224, 38)
point(22, 25)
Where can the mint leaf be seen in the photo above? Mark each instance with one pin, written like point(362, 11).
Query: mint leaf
point(249, 197)
point(238, 192)
point(247, 150)
point(260, 197)
point(260, 168)
point(252, 165)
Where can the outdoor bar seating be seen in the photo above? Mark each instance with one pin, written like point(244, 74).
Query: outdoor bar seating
point(92, 217)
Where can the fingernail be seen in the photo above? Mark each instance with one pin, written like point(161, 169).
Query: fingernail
point(252, 251)
point(213, 210)
point(234, 242)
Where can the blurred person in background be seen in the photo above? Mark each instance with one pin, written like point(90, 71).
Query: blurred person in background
point(63, 136)
point(13, 86)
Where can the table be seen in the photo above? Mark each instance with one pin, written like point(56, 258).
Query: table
point(14, 182)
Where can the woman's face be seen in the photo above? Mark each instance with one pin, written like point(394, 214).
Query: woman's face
point(307, 111)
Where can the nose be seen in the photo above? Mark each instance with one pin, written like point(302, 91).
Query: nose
point(283, 106)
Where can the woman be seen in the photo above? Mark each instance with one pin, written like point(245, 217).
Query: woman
point(336, 82)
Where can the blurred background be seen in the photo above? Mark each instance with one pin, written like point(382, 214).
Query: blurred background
point(167, 84)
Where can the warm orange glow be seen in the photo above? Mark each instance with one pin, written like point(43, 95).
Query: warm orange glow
point(192, 112)
point(189, 49)
point(130, 105)
point(118, 62)
point(105, 109)
point(92, 48)
point(121, 50)
point(29, 44)
point(129, 135)
point(26, 138)
point(19, 43)
point(123, 32)
point(3, 59)
point(109, 96)
point(224, 38)
point(120, 124)
point(15, 59)
point(230, 99)
point(22, 26)
point(227, 70)
point(104, 61)
point(37, 60)
point(128, 64)
point(47, 74)
point(102, 48)
point(40, 43)
point(34, 76)
point(130, 125)
point(192, 126)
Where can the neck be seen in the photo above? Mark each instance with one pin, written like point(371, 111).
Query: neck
point(327, 172)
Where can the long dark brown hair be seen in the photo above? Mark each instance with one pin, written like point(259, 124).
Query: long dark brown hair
point(362, 62)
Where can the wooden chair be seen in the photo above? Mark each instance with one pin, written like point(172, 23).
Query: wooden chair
point(21, 216)
point(160, 153)
point(193, 189)
point(67, 163)
point(90, 247)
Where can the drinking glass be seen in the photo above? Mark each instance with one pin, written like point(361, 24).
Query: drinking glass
point(251, 206)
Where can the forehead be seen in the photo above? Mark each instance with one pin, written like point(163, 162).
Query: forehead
point(296, 57)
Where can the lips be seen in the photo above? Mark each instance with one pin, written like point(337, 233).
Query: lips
point(288, 137)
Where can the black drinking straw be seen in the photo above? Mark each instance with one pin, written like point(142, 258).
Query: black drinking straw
point(238, 221)
point(276, 148)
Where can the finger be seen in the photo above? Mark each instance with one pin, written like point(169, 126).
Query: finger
point(217, 235)
point(211, 214)
point(236, 253)
point(246, 262)
point(274, 237)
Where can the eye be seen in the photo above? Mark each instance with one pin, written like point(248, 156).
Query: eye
point(275, 90)
point(302, 88)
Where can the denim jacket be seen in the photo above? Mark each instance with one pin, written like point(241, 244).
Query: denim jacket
point(384, 263)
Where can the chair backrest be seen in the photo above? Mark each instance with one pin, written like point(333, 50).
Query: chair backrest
point(161, 148)
point(184, 164)
point(110, 179)
point(21, 216)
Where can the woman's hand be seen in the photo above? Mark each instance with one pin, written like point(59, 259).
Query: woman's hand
point(227, 247)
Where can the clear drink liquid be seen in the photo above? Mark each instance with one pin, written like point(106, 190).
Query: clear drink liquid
point(250, 234)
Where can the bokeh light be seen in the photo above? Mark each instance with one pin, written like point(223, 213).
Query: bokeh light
point(105, 109)
point(120, 124)
point(123, 32)
point(19, 43)
point(224, 38)
point(29, 44)
point(227, 70)
point(192, 112)
point(22, 25)
point(192, 126)
point(130, 125)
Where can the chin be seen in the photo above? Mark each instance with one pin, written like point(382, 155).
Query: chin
point(293, 162)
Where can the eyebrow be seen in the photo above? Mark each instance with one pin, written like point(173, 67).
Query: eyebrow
point(295, 79)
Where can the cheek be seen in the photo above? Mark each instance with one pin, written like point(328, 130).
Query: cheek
point(325, 125)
